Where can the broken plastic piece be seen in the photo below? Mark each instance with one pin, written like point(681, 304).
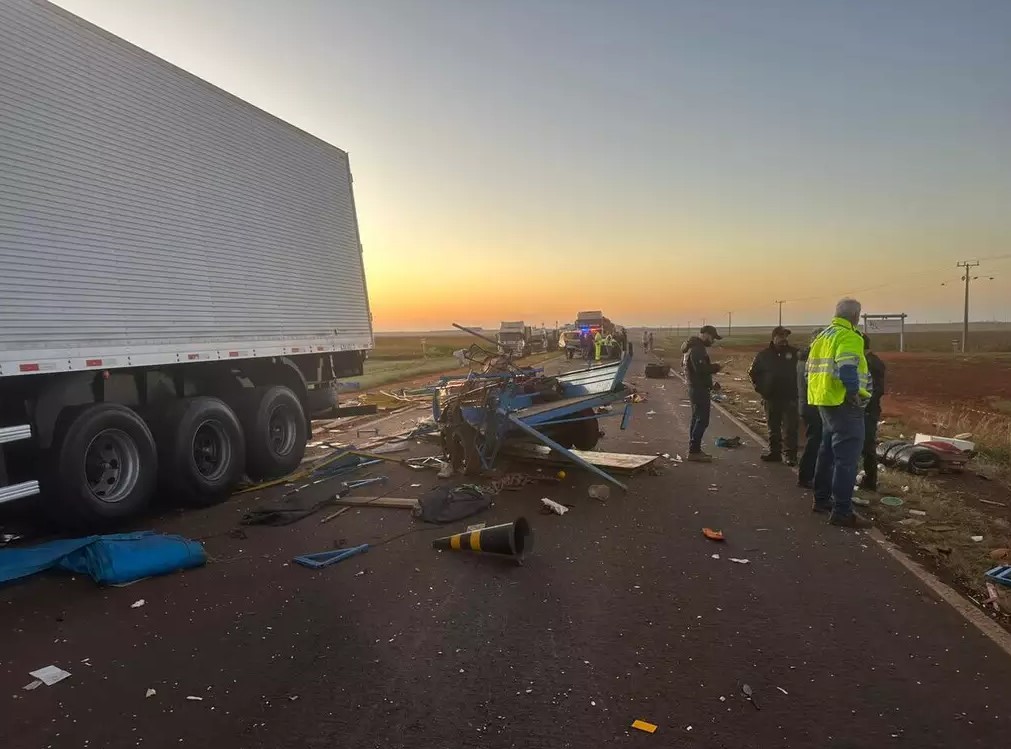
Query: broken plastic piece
point(739, 561)
point(150, 693)
point(554, 506)
point(712, 535)
point(642, 725)
point(50, 675)
point(137, 604)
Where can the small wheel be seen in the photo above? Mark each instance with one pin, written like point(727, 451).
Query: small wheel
point(274, 424)
point(201, 449)
point(106, 466)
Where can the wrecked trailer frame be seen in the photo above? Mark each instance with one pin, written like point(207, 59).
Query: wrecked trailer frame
point(478, 414)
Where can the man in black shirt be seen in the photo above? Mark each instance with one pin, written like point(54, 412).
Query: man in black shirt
point(699, 371)
point(774, 375)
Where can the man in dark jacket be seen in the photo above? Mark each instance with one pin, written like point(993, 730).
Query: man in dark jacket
point(872, 414)
point(699, 371)
point(774, 375)
point(811, 418)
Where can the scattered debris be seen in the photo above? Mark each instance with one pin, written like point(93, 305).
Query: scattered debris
point(34, 684)
point(397, 503)
point(918, 513)
point(750, 696)
point(333, 515)
point(911, 522)
point(892, 501)
point(942, 528)
point(476, 527)
point(601, 492)
point(651, 412)
point(992, 502)
point(554, 506)
point(728, 442)
point(715, 556)
point(150, 693)
point(49, 675)
point(642, 725)
point(137, 604)
point(712, 535)
point(326, 558)
point(861, 502)
point(977, 539)
point(782, 690)
point(999, 554)
point(445, 472)
point(739, 561)
point(194, 699)
point(1000, 575)
point(445, 504)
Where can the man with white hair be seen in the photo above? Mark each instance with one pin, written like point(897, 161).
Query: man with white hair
point(838, 383)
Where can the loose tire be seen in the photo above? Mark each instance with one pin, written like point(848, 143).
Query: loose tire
point(104, 467)
point(274, 423)
point(201, 450)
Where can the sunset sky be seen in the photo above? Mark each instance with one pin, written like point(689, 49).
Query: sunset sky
point(662, 160)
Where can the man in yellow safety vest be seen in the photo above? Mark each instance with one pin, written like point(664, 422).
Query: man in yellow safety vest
point(838, 383)
point(598, 343)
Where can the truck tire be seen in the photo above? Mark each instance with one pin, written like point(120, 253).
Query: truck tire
point(274, 423)
point(201, 450)
point(104, 468)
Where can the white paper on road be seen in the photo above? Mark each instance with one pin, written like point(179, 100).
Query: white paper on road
point(50, 675)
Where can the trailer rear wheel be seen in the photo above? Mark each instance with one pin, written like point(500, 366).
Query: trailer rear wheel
point(106, 466)
point(201, 450)
point(274, 423)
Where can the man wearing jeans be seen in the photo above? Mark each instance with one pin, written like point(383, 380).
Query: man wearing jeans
point(699, 371)
point(838, 383)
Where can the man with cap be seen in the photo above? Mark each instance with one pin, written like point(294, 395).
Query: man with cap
point(699, 371)
point(774, 375)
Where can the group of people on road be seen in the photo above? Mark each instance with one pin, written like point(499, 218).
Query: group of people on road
point(599, 345)
point(833, 386)
point(647, 340)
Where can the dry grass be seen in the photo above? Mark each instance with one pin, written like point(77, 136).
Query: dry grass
point(945, 533)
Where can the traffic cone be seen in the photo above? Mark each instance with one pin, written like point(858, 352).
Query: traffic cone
point(509, 539)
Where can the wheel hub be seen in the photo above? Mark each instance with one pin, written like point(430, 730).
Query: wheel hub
point(111, 465)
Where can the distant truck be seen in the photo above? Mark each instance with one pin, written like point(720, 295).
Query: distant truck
point(514, 337)
point(593, 322)
point(181, 278)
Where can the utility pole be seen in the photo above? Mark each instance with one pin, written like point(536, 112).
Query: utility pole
point(780, 302)
point(730, 323)
point(967, 264)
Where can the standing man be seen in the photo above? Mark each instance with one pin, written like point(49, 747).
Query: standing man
point(774, 375)
point(651, 339)
point(699, 371)
point(872, 415)
point(837, 382)
point(598, 343)
point(645, 341)
point(811, 419)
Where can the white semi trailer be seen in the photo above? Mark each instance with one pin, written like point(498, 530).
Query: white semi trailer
point(180, 275)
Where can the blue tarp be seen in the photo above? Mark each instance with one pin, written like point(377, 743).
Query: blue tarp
point(110, 560)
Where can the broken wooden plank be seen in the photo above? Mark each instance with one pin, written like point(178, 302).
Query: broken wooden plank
point(612, 461)
point(397, 503)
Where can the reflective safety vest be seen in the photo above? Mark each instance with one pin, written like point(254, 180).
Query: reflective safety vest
point(838, 345)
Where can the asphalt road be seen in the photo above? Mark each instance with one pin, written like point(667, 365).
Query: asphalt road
point(620, 613)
